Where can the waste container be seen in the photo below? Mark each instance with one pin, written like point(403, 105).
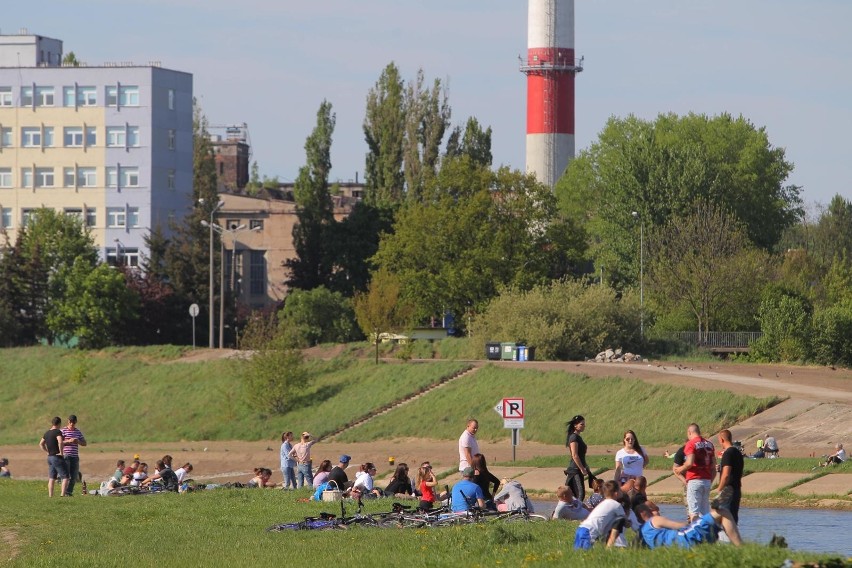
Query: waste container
point(522, 352)
point(530, 354)
point(492, 351)
point(508, 351)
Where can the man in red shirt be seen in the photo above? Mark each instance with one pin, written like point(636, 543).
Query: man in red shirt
point(700, 469)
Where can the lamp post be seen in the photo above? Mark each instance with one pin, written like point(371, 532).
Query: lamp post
point(641, 275)
point(210, 307)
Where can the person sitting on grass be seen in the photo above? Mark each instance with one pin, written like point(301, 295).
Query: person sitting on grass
point(512, 497)
point(605, 523)
point(364, 483)
point(486, 480)
point(261, 478)
point(837, 458)
point(4, 468)
point(183, 471)
point(569, 507)
point(426, 483)
point(657, 530)
point(163, 476)
point(321, 474)
point(140, 475)
point(400, 483)
point(466, 493)
point(597, 494)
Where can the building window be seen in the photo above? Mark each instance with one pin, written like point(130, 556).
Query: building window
point(87, 177)
point(256, 224)
point(72, 136)
point(116, 136)
point(44, 177)
point(122, 256)
point(26, 217)
point(172, 136)
point(122, 96)
point(170, 179)
point(31, 137)
point(69, 177)
point(111, 176)
point(6, 217)
point(91, 136)
point(91, 216)
point(6, 137)
point(171, 99)
point(116, 217)
point(26, 96)
point(48, 136)
point(5, 177)
point(257, 273)
point(132, 216)
point(133, 136)
point(74, 213)
point(26, 177)
point(111, 96)
point(69, 96)
point(44, 96)
point(87, 96)
point(130, 177)
point(5, 96)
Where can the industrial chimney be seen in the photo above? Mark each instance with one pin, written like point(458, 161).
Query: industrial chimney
point(550, 68)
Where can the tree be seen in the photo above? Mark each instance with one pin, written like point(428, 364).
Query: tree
point(659, 169)
point(427, 115)
point(700, 259)
point(381, 309)
point(384, 132)
point(786, 323)
point(832, 235)
point(313, 264)
point(311, 317)
point(473, 142)
point(70, 60)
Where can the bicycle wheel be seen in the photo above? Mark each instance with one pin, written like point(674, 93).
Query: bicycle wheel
point(286, 527)
point(453, 520)
point(522, 518)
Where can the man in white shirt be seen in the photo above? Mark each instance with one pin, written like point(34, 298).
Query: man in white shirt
point(468, 446)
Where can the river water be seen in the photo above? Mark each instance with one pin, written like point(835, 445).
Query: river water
point(812, 530)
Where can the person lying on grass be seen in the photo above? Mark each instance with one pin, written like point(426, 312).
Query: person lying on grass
point(657, 530)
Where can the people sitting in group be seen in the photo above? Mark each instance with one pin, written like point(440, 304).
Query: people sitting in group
point(163, 475)
point(364, 486)
point(512, 497)
point(838, 457)
point(486, 480)
point(140, 475)
point(338, 473)
point(261, 478)
point(321, 474)
point(426, 483)
point(569, 507)
point(466, 493)
point(400, 483)
point(606, 521)
point(183, 471)
point(657, 530)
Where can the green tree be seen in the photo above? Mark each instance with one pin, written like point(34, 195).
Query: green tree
point(786, 323)
point(311, 317)
point(313, 264)
point(384, 132)
point(427, 116)
point(832, 235)
point(704, 261)
point(473, 142)
point(382, 309)
point(660, 168)
point(70, 60)
point(96, 306)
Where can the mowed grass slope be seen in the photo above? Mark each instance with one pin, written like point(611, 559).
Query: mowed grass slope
point(146, 395)
point(226, 527)
point(658, 413)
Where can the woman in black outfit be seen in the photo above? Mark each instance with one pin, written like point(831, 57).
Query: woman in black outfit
point(486, 480)
point(577, 467)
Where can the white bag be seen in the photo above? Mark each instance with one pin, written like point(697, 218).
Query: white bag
point(332, 494)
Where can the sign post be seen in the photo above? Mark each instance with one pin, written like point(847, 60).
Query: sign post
point(512, 411)
point(193, 311)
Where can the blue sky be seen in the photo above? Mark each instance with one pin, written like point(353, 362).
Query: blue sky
point(785, 65)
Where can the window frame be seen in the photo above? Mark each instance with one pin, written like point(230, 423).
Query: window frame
point(7, 178)
point(116, 218)
point(73, 131)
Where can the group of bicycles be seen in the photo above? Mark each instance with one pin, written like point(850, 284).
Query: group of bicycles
point(404, 516)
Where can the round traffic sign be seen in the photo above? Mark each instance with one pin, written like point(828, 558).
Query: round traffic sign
point(193, 310)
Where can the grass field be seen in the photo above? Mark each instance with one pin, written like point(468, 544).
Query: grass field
point(225, 527)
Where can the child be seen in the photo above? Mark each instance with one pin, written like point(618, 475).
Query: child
point(606, 521)
point(596, 497)
point(569, 507)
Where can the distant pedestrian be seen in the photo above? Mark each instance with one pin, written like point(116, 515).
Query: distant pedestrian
point(73, 440)
point(288, 464)
point(468, 446)
point(699, 470)
point(730, 477)
point(577, 467)
point(302, 454)
point(53, 442)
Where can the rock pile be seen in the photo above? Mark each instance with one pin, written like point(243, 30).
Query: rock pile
point(616, 356)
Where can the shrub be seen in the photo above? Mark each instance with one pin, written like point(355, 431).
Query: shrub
point(785, 320)
point(832, 336)
point(311, 317)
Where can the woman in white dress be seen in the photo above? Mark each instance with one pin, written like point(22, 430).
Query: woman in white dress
point(630, 460)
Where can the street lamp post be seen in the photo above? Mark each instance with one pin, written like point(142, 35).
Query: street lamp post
point(641, 275)
point(212, 286)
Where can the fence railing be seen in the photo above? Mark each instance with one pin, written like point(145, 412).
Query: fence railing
point(714, 339)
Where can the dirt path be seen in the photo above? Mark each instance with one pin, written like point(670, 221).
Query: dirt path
point(817, 414)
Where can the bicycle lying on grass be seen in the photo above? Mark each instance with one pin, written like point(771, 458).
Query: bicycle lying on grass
point(328, 521)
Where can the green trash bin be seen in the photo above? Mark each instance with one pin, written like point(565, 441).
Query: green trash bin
point(508, 351)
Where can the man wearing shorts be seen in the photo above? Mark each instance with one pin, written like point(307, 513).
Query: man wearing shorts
point(657, 530)
point(53, 442)
point(699, 469)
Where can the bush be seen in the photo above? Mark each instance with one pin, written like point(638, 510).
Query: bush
point(563, 320)
point(785, 320)
point(832, 336)
point(311, 317)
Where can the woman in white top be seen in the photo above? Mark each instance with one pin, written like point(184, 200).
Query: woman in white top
point(630, 460)
point(140, 475)
point(364, 481)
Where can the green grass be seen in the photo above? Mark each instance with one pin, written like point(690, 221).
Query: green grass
point(658, 413)
point(226, 528)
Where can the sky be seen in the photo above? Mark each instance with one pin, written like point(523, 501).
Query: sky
point(785, 65)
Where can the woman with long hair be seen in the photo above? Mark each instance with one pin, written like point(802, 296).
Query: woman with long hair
point(577, 467)
point(630, 460)
point(426, 483)
point(486, 480)
point(321, 474)
point(400, 483)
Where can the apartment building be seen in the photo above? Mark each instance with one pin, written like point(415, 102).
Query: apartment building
point(111, 144)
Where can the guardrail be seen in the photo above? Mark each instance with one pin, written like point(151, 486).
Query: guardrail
point(716, 340)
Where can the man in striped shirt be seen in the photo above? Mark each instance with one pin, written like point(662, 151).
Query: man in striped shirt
point(73, 438)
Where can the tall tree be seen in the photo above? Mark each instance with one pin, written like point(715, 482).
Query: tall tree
point(660, 168)
point(313, 264)
point(384, 131)
point(427, 116)
point(474, 142)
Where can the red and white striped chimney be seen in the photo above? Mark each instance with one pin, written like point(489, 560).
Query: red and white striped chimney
point(550, 69)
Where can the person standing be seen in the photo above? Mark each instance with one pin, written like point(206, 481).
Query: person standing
point(53, 443)
point(302, 453)
point(730, 477)
point(287, 463)
point(699, 469)
point(73, 440)
point(577, 467)
point(468, 446)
